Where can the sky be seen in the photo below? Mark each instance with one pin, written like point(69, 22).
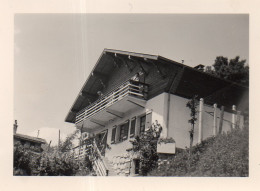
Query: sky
point(54, 54)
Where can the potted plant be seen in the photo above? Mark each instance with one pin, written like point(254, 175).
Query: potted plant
point(166, 146)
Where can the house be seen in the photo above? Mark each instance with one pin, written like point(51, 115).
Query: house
point(34, 143)
point(127, 92)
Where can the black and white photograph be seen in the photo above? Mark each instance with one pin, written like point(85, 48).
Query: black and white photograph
point(131, 95)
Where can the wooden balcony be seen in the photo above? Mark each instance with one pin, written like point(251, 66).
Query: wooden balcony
point(124, 98)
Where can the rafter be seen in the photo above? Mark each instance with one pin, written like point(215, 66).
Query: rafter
point(156, 66)
point(122, 60)
point(99, 74)
point(139, 64)
point(102, 83)
point(87, 94)
point(74, 110)
point(115, 60)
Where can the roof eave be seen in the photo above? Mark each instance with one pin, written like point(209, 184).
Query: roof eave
point(127, 53)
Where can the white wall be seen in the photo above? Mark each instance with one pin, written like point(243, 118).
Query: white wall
point(179, 127)
point(155, 105)
point(119, 148)
point(158, 105)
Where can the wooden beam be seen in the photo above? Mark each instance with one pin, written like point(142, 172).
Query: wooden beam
point(177, 80)
point(74, 110)
point(87, 94)
point(116, 63)
point(115, 59)
point(115, 113)
point(122, 60)
point(102, 83)
point(157, 67)
point(139, 64)
point(99, 74)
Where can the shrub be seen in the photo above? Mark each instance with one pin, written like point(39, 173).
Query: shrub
point(223, 155)
point(228, 156)
point(22, 160)
point(48, 163)
point(146, 147)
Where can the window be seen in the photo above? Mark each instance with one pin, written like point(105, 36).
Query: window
point(142, 124)
point(132, 129)
point(113, 137)
point(123, 135)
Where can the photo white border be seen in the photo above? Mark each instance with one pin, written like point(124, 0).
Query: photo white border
point(9, 8)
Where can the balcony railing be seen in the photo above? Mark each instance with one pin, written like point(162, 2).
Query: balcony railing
point(129, 88)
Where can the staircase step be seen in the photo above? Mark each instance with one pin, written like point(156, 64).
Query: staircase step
point(111, 170)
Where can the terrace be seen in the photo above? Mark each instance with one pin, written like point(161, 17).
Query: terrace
point(128, 96)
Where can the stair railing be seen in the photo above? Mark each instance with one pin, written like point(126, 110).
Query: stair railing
point(99, 166)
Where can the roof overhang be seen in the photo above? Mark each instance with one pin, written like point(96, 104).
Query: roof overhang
point(102, 68)
point(191, 81)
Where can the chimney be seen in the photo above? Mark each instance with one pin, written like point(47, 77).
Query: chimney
point(15, 126)
point(200, 67)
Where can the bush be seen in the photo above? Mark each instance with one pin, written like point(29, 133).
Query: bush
point(48, 163)
point(145, 145)
point(223, 155)
point(228, 156)
point(22, 160)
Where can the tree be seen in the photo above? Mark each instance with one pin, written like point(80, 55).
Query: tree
point(68, 143)
point(54, 161)
point(233, 70)
point(145, 145)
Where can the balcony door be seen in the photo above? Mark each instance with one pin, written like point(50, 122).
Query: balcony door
point(101, 140)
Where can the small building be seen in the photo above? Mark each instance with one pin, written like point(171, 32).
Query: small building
point(127, 92)
point(33, 143)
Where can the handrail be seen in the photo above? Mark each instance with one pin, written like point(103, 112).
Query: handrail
point(127, 88)
point(101, 166)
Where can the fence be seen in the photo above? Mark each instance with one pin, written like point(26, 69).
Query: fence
point(213, 120)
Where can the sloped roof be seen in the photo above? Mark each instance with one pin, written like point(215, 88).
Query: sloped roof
point(29, 138)
point(104, 65)
point(190, 81)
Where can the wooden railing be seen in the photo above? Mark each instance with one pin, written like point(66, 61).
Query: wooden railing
point(92, 149)
point(99, 164)
point(132, 88)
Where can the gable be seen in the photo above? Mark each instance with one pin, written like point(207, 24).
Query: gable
point(162, 75)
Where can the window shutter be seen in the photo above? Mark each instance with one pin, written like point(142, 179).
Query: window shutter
point(132, 129)
point(121, 132)
point(148, 122)
point(126, 128)
point(142, 124)
point(117, 134)
point(113, 137)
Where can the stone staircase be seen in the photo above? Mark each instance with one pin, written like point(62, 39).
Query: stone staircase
point(109, 165)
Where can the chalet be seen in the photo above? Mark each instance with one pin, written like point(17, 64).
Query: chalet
point(34, 143)
point(127, 92)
